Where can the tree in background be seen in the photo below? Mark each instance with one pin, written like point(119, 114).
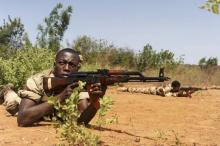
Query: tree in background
point(209, 63)
point(145, 59)
point(123, 57)
point(85, 45)
point(202, 62)
point(211, 6)
point(149, 58)
point(51, 33)
point(11, 34)
point(209, 66)
point(103, 53)
point(26, 41)
point(166, 59)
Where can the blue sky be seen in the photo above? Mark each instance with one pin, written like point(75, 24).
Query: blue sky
point(179, 26)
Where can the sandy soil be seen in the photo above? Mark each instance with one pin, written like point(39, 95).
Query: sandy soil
point(142, 120)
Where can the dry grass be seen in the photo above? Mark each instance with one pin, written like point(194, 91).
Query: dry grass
point(191, 75)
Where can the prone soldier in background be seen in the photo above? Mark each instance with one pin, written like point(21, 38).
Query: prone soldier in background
point(174, 89)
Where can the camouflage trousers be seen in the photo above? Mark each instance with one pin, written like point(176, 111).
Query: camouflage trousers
point(161, 91)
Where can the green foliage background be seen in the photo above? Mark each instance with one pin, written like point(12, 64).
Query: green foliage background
point(24, 63)
point(105, 54)
point(211, 6)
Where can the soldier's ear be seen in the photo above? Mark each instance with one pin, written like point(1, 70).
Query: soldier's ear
point(79, 66)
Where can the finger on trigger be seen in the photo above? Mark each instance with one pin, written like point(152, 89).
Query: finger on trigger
point(73, 85)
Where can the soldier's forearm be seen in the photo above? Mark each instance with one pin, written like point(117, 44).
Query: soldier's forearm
point(87, 115)
point(29, 116)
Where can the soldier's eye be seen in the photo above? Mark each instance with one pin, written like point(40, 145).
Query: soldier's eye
point(61, 62)
point(73, 65)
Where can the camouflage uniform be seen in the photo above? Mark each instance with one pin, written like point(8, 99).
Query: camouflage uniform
point(161, 90)
point(33, 90)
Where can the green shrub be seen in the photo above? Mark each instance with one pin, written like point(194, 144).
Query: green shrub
point(149, 58)
point(23, 64)
point(68, 128)
point(106, 104)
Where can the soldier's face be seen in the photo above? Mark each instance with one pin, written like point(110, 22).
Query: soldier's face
point(65, 64)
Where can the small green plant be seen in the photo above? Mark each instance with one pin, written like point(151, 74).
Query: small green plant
point(168, 138)
point(66, 119)
point(211, 6)
point(106, 104)
point(161, 135)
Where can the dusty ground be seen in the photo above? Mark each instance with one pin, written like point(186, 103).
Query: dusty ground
point(143, 120)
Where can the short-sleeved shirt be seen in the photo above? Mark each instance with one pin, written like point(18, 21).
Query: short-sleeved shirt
point(34, 88)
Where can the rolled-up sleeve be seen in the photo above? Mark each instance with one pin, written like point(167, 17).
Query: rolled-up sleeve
point(33, 89)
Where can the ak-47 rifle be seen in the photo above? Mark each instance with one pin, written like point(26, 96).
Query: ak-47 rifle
point(104, 76)
point(188, 91)
point(193, 89)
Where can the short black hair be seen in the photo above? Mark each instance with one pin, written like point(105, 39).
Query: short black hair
point(175, 84)
point(67, 50)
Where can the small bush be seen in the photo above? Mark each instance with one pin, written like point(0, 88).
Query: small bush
point(23, 64)
point(68, 128)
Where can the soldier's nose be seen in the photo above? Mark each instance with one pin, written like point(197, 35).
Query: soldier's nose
point(66, 67)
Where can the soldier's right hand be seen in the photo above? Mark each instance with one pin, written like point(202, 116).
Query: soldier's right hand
point(67, 92)
point(189, 93)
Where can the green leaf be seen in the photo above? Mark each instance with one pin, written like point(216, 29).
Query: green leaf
point(215, 8)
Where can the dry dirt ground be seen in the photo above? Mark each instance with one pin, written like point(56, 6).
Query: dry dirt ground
point(142, 120)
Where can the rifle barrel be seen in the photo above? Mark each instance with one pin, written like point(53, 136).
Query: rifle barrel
point(147, 79)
